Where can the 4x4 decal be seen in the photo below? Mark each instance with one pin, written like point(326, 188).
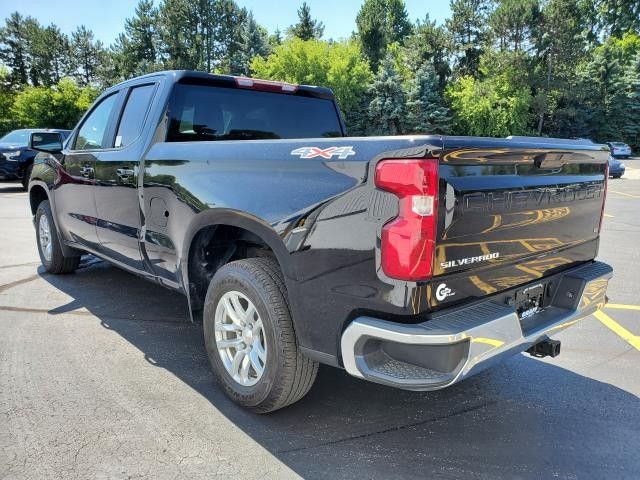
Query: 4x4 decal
point(312, 152)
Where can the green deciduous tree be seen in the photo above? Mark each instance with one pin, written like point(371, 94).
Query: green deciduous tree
point(495, 105)
point(337, 65)
point(307, 28)
point(59, 106)
point(381, 23)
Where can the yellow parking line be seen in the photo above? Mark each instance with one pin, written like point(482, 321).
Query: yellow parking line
point(622, 307)
point(626, 335)
point(625, 194)
point(609, 216)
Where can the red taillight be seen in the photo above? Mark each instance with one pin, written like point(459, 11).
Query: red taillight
point(265, 85)
point(408, 241)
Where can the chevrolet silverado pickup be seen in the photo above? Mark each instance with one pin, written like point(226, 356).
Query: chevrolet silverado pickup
point(411, 261)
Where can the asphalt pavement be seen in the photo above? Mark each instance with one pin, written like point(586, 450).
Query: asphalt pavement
point(102, 376)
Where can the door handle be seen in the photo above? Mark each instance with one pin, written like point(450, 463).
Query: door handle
point(87, 171)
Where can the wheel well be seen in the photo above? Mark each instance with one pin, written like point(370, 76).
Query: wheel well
point(37, 195)
point(214, 246)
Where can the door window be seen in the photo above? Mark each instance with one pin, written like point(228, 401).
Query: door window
point(92, 133)
point(134, 113)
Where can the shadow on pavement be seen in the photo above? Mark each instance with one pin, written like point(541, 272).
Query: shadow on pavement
point(524, 419)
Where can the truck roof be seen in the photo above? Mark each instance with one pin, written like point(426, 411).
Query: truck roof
point(188, 76)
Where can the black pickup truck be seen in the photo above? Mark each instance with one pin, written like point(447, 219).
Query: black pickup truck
point(412, 261)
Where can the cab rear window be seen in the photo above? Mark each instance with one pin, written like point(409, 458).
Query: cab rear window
point(209, 113)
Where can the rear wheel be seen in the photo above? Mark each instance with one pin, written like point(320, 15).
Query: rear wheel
point(250, 338)
point(49, 249)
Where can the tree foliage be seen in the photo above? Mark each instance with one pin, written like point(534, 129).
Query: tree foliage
point(381, 23)
point(468, 27)
point(562, 68)
point(60, 106)
point(497, 105)
point(426, 111)
point(387, 107)
point(339, 66)
point(307, 28)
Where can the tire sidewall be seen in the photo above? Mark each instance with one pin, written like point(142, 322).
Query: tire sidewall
point(45, 209)
point(229, 279)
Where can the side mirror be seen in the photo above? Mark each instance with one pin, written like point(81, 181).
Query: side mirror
point(50, 142)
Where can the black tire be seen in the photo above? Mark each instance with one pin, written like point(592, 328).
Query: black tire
point(288, 374)
point(616, 175)
point(27, 177)
point(58, 263)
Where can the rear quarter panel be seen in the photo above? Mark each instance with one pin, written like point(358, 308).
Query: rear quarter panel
point(315, 211)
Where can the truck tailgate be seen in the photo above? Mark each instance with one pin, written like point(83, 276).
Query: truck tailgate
point(511, 214)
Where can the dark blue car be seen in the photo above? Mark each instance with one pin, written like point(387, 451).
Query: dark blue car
point(616, 167)
point(16, 159)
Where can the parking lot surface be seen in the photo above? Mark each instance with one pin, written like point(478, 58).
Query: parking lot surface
point(102, 376)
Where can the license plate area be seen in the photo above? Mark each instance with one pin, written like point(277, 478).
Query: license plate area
point(529, 300)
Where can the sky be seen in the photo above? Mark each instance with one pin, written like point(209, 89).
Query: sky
point(106, 17)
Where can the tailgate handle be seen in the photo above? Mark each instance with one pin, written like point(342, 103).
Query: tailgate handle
point(550, 160)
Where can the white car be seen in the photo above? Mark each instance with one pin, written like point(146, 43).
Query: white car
point(619, 149)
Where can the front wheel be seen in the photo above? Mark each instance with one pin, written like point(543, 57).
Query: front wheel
point(49, 249)
point(250, 339)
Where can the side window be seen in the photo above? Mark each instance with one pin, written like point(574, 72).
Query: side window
point(134, 113)
point(91, 135)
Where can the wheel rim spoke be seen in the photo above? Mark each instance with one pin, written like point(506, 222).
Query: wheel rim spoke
point(44, 234)
point(255, 362)
point(260, 352)
point(240, 338)
point(227, 327)
point(232, 313)
point(237, 363)
point(244, 370)
point(233, 342)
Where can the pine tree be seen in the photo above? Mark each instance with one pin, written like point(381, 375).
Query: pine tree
point(253, 40)
point(180, 34)
point(386, 110)
point(307, 28)
point(429, 43)
point(467, 25)
point(425, 108)
point(14, 41)
point(380, 23)
point(512, 21)
point(140, 49)
point(88, 55)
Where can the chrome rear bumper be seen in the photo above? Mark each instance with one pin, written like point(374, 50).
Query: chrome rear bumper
point(457, 344)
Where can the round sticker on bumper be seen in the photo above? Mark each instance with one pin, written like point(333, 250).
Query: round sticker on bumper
point(442, 292)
